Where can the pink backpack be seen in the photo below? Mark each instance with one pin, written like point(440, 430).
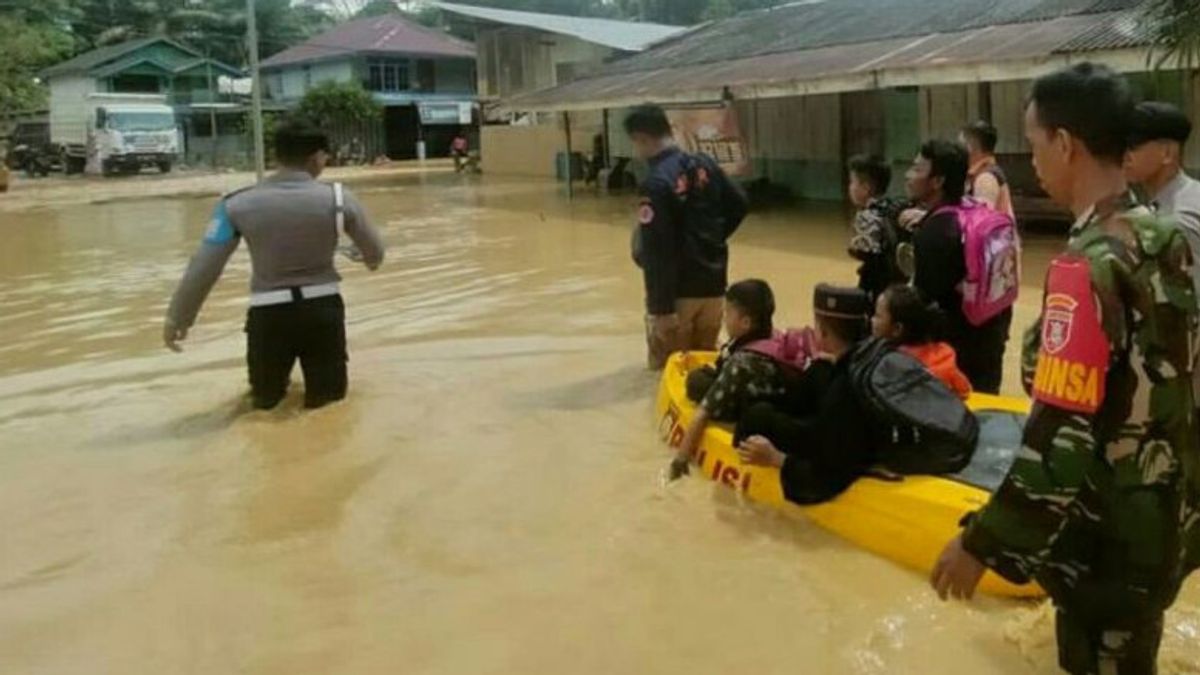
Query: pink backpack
point(992, 250)
point(795, 347)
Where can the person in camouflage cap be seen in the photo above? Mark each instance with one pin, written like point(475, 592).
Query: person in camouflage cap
point(1102, 504)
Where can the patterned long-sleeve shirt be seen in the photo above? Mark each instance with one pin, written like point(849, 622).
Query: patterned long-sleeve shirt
point(873, 243)
point(743, 377)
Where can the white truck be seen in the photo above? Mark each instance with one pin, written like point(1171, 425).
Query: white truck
point(115, 133)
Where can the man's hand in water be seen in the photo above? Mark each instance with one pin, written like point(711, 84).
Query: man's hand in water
point(957, 573)
point(759, 451)
point(680, 467)
point(173, 335)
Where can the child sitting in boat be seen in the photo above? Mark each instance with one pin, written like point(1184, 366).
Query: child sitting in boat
point(751, 367)
point(904, 318)
point(820, 438)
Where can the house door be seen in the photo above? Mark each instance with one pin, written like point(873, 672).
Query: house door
point(401, 128)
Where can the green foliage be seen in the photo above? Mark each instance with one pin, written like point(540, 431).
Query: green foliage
point(376, 8)
point(26, 49)
point(1175, 26)
point(336, 103)
point(214, 26)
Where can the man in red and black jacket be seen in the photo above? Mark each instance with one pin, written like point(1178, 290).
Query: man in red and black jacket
point(688, 210)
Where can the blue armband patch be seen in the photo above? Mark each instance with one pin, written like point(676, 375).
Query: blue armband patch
point(220, 229)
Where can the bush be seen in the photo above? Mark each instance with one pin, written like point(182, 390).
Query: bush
point(337, 103)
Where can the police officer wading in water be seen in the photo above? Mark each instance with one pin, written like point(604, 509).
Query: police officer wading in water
point(689, 208)
point(290, 222)
point(1102, 504)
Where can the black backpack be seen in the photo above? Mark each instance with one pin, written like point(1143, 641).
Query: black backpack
point(923, 427)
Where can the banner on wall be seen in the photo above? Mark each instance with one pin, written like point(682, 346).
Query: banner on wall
point(714, 131)
point(445, 112)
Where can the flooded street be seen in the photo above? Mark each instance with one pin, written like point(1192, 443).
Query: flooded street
point(488, 500)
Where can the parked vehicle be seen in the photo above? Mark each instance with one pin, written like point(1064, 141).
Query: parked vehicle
point(30, 150)
point(116, 133)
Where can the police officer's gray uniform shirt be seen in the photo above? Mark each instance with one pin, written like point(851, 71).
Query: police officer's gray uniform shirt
point(289, 223)
point(1181, 199)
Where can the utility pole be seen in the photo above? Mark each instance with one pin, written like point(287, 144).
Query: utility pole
point(212, 109)
point(260, 163)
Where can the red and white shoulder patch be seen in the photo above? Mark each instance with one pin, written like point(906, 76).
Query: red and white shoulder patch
point(645, 213)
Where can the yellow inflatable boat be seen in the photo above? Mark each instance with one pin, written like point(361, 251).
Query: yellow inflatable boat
point(907, 521)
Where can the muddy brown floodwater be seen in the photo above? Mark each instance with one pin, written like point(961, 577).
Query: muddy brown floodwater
point(487, 501)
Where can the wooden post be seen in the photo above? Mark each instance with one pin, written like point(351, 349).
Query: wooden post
point(607, 157)
point(570, 174)
point(212, 110)
point(260, 160)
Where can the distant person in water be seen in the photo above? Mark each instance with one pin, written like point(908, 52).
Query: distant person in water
point(688, 210)
point(460, 149)
point(290, 222)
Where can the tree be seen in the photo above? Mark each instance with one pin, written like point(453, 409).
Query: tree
point(333, 104)
point(26, 49)
point(217, 27)
point(1175, 29)
point(376, 8)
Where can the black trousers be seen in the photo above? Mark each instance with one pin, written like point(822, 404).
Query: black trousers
point(313, 331)
point(980, 352)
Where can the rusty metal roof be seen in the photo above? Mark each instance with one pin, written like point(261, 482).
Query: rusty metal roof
point(759, 55)
point(388, 34)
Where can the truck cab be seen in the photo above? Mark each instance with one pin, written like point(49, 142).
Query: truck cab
point(128, 137)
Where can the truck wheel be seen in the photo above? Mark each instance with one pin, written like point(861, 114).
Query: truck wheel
point(74, 165)
point(165, 166)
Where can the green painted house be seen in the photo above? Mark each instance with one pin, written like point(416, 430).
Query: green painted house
point(152, 65)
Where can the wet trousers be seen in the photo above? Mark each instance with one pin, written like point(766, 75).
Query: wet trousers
point(1127, 645)
point(698, 329)
point(313, 331)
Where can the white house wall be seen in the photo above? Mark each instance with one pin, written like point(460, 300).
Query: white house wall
point(515, 60)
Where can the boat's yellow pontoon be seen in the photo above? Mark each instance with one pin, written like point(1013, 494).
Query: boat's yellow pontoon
point(908, 521)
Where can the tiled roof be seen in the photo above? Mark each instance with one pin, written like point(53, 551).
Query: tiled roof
point(389, 34)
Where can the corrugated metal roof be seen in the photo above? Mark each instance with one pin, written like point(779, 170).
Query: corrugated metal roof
point(630, 36)
point(1123, 30)
point(858, 63)
point(839, 22)
point(388, 34)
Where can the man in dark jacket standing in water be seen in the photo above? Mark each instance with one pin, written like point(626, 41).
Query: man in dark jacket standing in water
point(688, 209)
point(290, 222)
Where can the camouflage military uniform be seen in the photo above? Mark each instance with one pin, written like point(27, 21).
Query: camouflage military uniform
point(1103, 510)
point(739, 379)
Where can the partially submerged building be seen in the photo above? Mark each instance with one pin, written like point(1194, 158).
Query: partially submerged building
point(423, 78)
point(523, 52)
point(816, 82)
